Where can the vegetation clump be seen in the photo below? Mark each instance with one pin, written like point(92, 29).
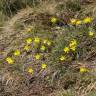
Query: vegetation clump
point(45, 51)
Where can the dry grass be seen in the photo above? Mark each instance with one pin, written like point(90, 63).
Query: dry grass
point(59, 78)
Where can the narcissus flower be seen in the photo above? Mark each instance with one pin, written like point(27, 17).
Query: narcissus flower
point(73, 48)
point(37, 56)
point(17, 52)
point(83, 70)
point(9, 60)
point(62, 58)
point(36, 40)
point(29, 40)
point(43, 48)
point(73, 43)
point(27, 48)
point(53, 19)
point(30, 70)
point(73, 21)
point(87, 20)
point(44, 66)
point(66, 49)
point(90, 33)
point(78, 22)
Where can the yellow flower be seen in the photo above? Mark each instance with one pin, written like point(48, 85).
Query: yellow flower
point(30, 70)
point(73, 21)
point(43, 48)
point(16, 52)
point(73, 48)
point(37, 56)
point(83, 70)
point(9, 60)
point(27, 48)
point(78, 22)
point(91, 33)
point(87, 20)
point(62, 58)
point(45, 41)
point(73, 43)
point(29, 40)
point(66, 49)
point(49, 43)
point(37, 40)
point(53, 19)
point(44, 66)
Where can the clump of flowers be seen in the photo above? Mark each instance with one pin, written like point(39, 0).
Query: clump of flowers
point(67, 49)
point(79, 22)
point(75, 22)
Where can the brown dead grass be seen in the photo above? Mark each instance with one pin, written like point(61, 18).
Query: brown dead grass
point(34, 86)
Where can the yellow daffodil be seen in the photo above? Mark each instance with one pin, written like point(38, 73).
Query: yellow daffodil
point(43, 48)
point(44, 66)
point(78, 22)
point(73, 21)
point(9, 60)
point(73, 48)
point(91, 33)
point(62, 58)
point(83, 70)
point(73, 43)
point(87, 20)
point(29, 40)
point(27, 48)
point(17, 52)
point(53, 19)
point(36, 40)
point(49, 43)
point(37, 56)
point(66, 49)
point(45, 41)
point(30, 70)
